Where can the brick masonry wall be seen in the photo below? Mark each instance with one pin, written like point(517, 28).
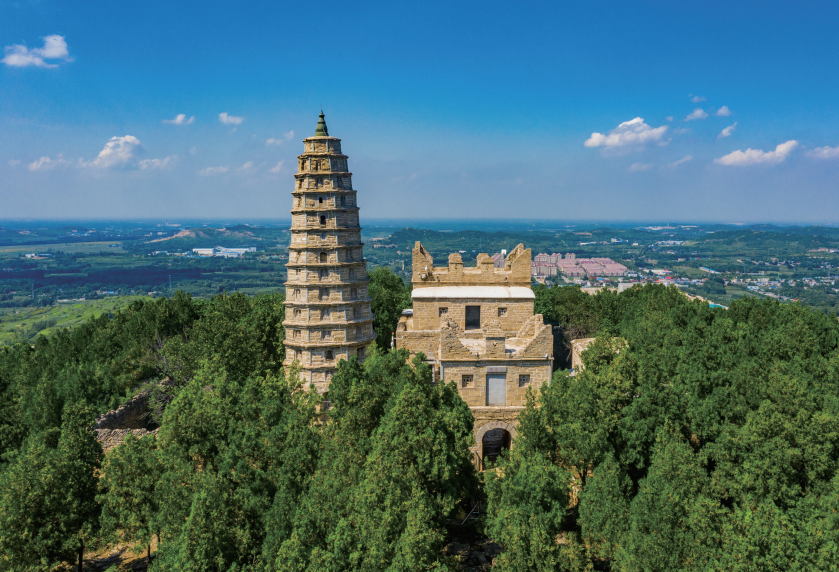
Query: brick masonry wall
point(517, 311)
point(132, 414)
point(425, 342)
point(111, 438)
point(475, 393)
point(516, 270)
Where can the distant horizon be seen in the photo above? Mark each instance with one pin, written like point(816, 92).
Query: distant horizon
point(184, 221)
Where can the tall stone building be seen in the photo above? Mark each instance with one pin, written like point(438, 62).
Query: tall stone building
point(328, 315)
point(477, 327)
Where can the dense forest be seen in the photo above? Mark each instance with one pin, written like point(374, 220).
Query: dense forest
point(696, 438)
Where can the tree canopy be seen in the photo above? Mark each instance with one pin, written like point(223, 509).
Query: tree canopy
point(697, 437)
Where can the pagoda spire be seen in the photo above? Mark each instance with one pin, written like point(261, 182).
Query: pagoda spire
point(321, 130)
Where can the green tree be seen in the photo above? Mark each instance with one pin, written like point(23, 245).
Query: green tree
point(229, 477)
point(48, 508)
point(396, 464)
point(128, 491)
point(528, 500)
point(389, 297)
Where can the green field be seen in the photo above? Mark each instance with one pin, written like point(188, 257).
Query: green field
point(19, 324)
point(66, 247)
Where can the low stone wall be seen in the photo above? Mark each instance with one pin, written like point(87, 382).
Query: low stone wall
point(133, 414)
point(110, 438)
point(132, 417)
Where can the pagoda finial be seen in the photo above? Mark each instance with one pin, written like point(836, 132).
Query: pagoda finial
point(321, 128)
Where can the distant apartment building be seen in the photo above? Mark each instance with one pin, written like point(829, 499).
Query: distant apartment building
point(498, 258)
point(571, 267)
point(221, 252)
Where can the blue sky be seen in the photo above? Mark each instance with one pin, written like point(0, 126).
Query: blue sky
point(609, 110)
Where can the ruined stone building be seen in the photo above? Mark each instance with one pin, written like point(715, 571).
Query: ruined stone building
point(328, 316)
point(476, 327)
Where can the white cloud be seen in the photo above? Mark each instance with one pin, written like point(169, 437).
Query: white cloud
point(636, 167)
point(246, 167)
point(14, 162)
point(152, 164)
point(825, 152)
point(633, 132)
point(47, 164)
point(180, 119)
point(286, 137)
point(697, 113)
point(756, 156)
point(55, 48)
point(42, 164)
point(727, 131)
point(681, 161)
point(277, 168)
point(669, 118)
point(193, 151)
point(698, 98)
point(230, 119)
point(723, 111)
point(208, 171)
point(118, 152)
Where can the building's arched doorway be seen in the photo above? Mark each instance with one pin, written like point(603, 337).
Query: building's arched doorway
point(492, 439)
point(493, 442)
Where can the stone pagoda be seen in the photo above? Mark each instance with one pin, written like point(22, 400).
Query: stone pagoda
point(328, 316)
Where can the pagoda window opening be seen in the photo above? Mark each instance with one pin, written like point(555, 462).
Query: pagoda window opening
point(323, 257)
point(343, 200)
point(322, 220)
point(329, 355)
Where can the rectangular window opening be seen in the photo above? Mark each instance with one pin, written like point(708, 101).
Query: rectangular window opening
point(473, 317)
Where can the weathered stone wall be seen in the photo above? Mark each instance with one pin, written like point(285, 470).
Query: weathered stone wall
point(427, 342)
point(474, 393)
point(516, 270)
point(539, 344)
point(577, 348)
point(111, 438)
point(131, 417)
point(133, 414)
point(512, 313)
